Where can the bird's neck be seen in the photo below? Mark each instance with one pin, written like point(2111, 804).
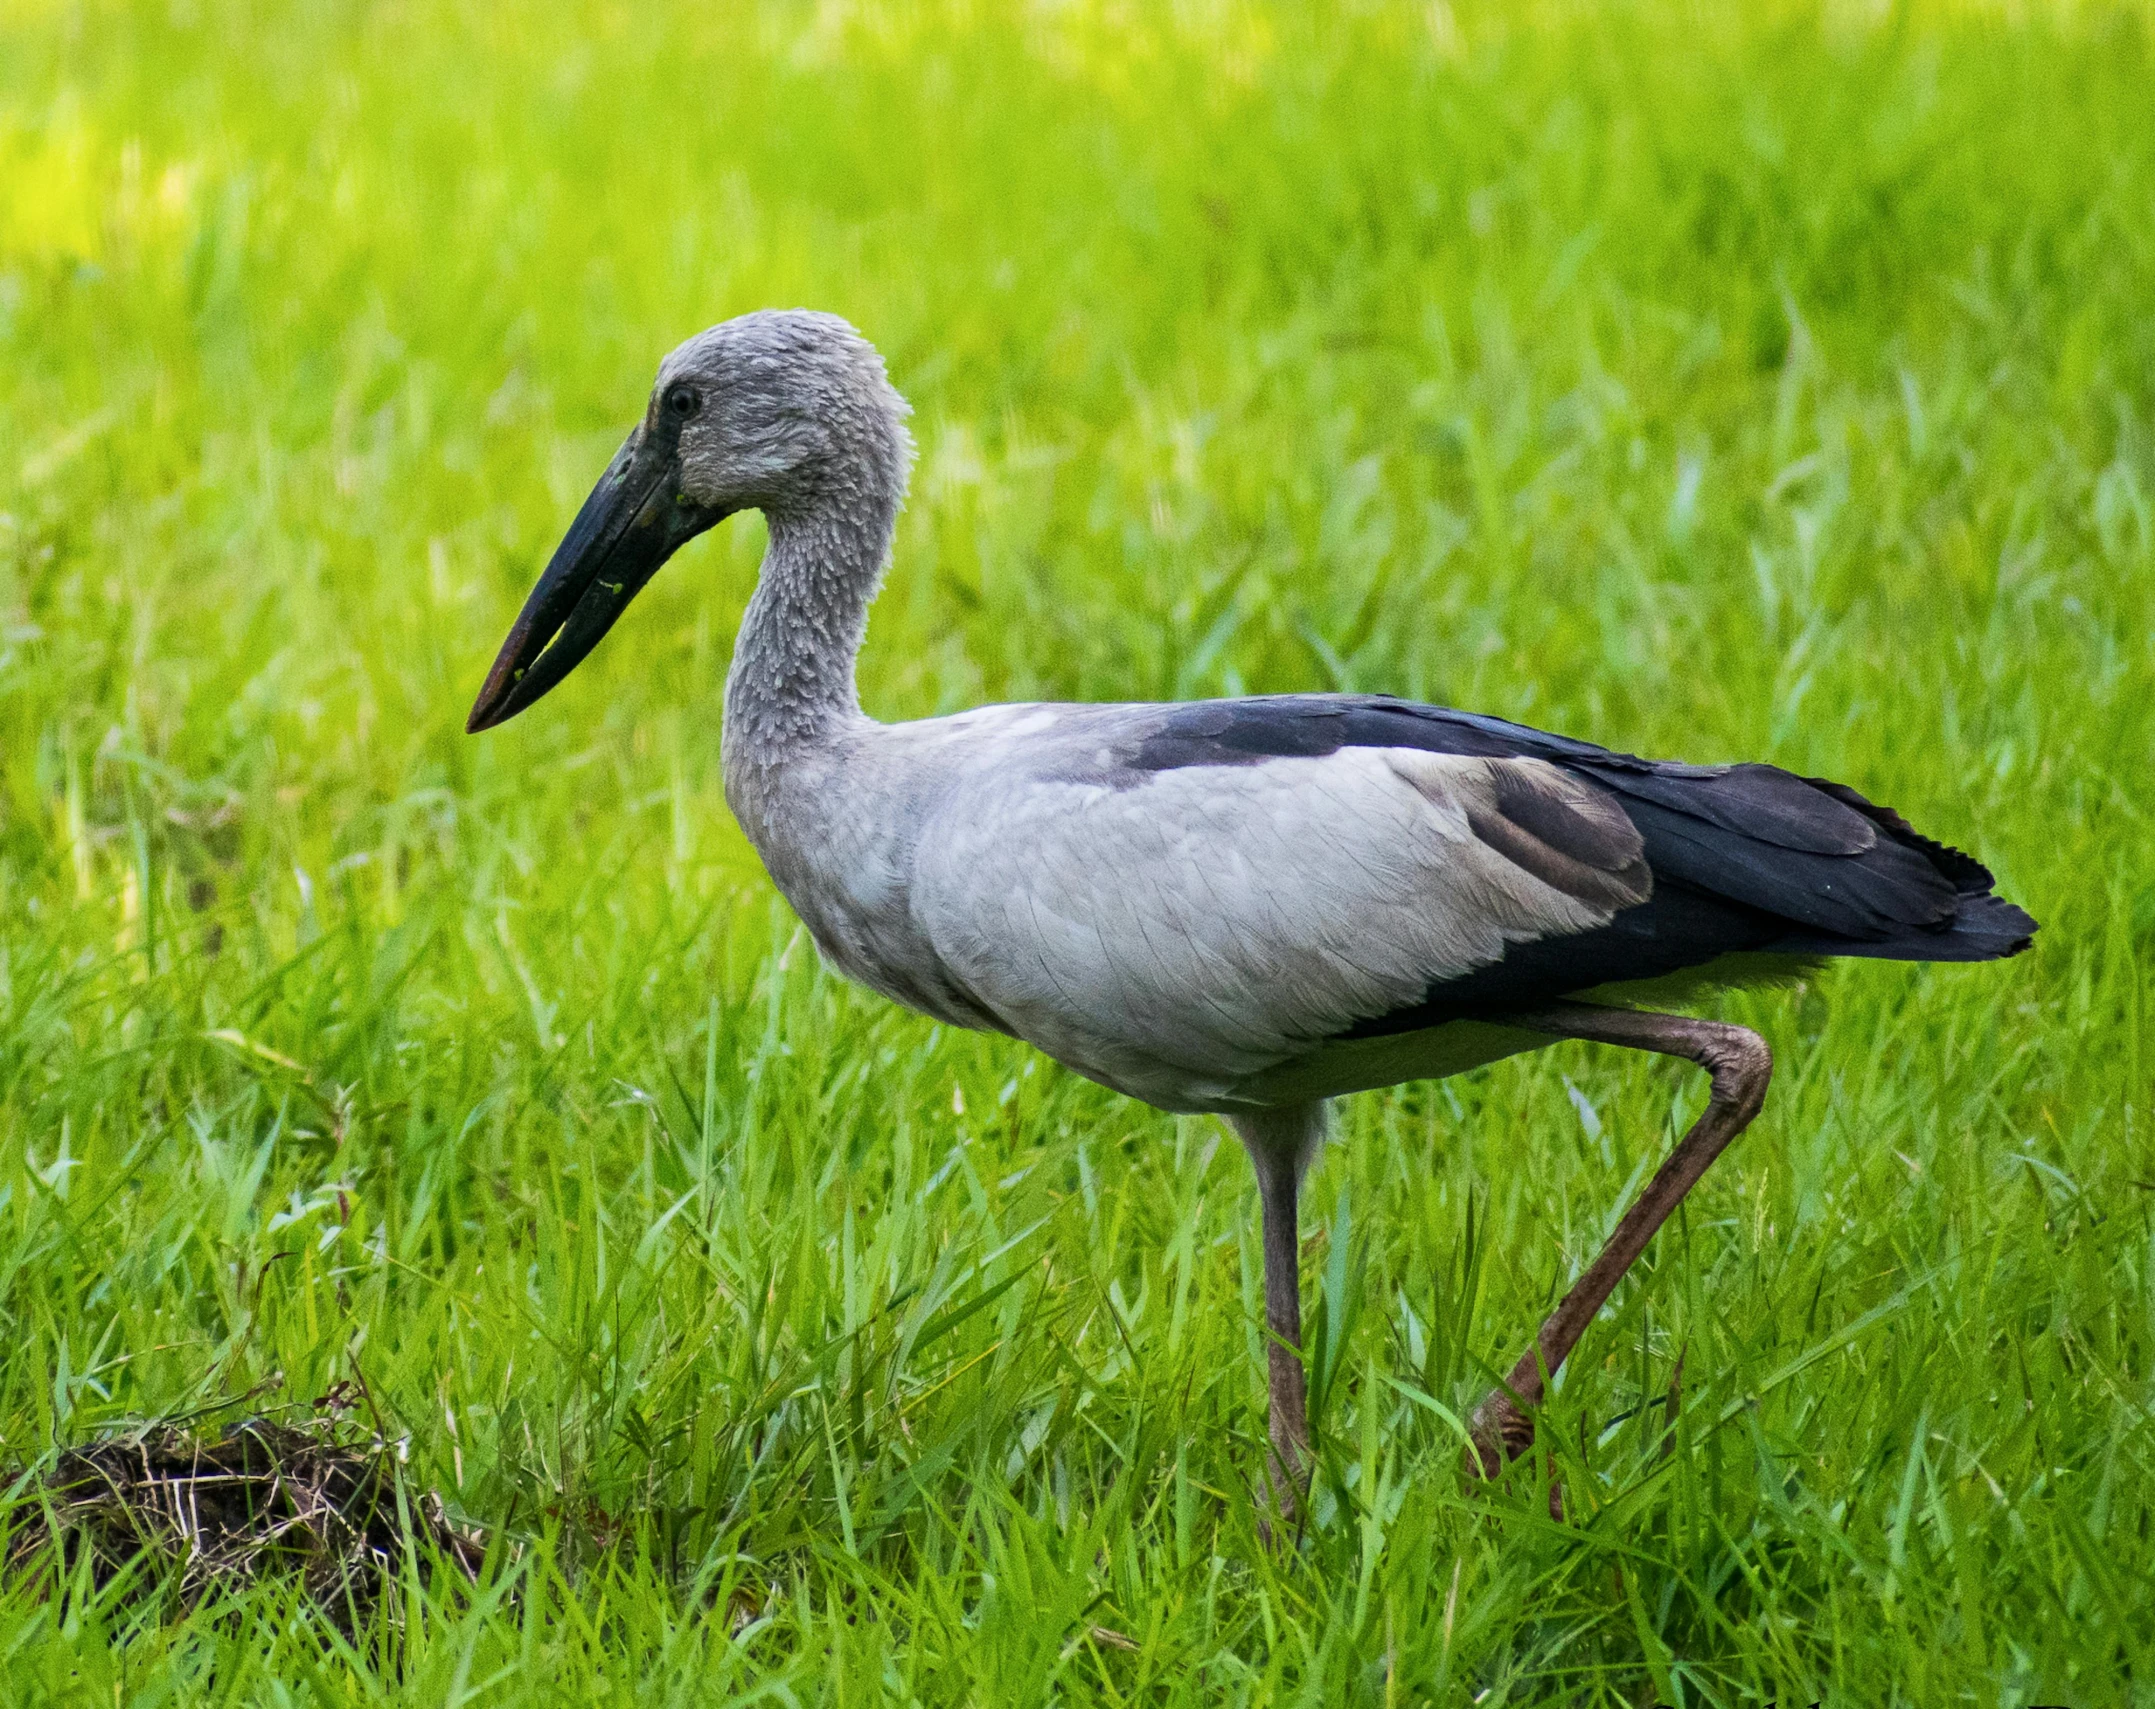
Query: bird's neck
point(791, 686)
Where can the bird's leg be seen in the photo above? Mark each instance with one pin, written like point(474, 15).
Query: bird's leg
point(1282, 1143)
point(1287, 1379)
point(1740, 1064)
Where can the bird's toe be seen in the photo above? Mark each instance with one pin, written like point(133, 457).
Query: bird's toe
point(1499, 1433)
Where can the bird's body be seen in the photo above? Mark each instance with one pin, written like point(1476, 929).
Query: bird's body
point(1236, 904)
point(1243, 906)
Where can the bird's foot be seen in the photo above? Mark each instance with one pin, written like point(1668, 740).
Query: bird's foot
point(1499, 1432)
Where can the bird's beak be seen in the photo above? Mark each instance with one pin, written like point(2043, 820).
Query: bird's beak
point(635, 519)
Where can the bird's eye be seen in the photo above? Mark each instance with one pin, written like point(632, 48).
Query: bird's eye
point(682, 402)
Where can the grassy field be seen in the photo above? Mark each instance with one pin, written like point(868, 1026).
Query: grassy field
point(1778, 385)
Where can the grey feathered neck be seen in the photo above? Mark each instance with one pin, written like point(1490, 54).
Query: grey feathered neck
point(831, 518)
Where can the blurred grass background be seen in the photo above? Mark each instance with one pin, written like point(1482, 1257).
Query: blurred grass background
point(1773, 382)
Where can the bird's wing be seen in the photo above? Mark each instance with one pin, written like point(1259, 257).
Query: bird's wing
point(1166, 928)
point(1745, 858)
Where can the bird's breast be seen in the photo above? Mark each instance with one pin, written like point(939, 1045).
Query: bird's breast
point(842, 855)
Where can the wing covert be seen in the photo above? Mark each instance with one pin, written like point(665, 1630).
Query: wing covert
point(1217, 919)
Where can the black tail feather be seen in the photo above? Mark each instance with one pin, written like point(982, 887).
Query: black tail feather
point(1970, 876)
point(1983, 928)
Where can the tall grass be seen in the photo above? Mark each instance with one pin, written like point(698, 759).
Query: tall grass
point(1775, 384)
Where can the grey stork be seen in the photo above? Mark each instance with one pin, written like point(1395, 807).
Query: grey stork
point(1247, 906)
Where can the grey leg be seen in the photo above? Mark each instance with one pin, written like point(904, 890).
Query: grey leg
point(1282, 1144)
point(1740, 1064)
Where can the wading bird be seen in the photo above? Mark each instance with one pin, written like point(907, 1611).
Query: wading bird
point(1240, 906)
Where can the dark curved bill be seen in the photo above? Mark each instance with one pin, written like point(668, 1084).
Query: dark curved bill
point(632, 523)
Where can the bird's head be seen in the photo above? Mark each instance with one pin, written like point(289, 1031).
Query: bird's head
point(781, 411)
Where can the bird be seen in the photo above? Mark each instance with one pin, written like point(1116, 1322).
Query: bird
point(1247, 907)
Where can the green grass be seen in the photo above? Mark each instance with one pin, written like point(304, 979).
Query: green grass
point(1778, 386)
